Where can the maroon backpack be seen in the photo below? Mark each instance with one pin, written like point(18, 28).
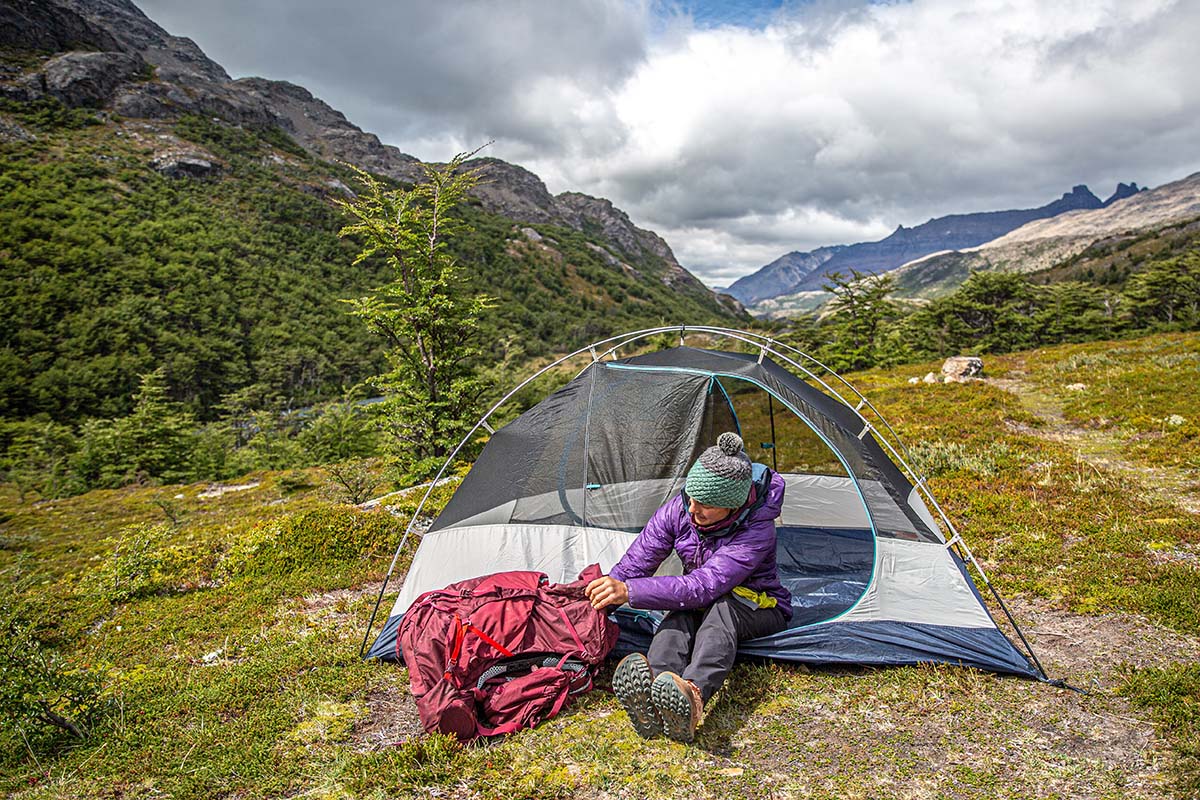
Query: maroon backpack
point(495, 654)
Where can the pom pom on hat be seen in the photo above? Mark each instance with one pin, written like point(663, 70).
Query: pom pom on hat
point(721, 476)
point(730, 443)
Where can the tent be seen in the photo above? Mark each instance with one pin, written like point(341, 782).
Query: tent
point(876, 578)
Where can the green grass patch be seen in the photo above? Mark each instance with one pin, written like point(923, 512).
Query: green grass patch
point(1146, 389)
point(1172, 695)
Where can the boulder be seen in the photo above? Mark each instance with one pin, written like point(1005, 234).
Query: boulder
point(12, 132)
point(930, 378)
point(184, 164)
point(960, 369)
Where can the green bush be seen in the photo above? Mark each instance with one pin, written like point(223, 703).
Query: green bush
point(309, 540)
point(135, 565)
point(39, 686)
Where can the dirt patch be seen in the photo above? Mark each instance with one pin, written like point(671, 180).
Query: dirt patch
point(1086, 650)
point(949, 732)
point(339, 606)
point(392, 718)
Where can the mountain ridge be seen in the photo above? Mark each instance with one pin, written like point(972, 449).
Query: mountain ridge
point(939, 234)
point(1039, 244)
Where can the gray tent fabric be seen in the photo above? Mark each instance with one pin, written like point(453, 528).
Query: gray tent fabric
point(579, 474)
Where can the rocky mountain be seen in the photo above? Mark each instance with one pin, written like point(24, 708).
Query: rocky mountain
point(952, 232)
point(789, 270)
point(1043, 243)
point(120, 60)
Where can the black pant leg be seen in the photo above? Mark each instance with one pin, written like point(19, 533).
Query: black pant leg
point(671, 646)
point(725, 623)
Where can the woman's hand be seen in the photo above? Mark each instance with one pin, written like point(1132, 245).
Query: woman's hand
point(606, 591)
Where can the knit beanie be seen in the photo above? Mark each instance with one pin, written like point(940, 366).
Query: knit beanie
point(721, 476)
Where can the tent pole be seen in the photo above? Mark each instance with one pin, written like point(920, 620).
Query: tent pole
point(774, 447)
point(961, 546)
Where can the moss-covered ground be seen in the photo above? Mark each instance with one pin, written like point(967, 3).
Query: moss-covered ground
point(225, 628)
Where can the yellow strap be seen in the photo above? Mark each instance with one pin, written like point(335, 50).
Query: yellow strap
point(763, 599)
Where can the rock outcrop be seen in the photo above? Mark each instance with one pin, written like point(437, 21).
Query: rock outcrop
point(45, 27)
point(185, 164)
point(1123, 190)
point(515, 192)
point(325, 132)
point(88, 80)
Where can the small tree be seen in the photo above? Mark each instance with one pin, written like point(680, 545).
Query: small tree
point(861, 311)
point(425, 315)
point(154, 442)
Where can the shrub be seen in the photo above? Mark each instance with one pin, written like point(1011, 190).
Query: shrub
point(134, 568)
point(308, 540)
point(353, 481)
point(39, 686)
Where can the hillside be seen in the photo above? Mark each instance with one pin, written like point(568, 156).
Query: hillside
point(1044, 244)
point(156, 212)
point(221, 639)
point(805, 272)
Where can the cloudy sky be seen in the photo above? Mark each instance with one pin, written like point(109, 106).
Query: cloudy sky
point(740, 131)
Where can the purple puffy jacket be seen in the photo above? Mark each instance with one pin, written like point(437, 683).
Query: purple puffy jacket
point(712, 565)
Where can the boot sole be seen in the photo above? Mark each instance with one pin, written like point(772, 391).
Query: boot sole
point(631, 684)
point(675, 710)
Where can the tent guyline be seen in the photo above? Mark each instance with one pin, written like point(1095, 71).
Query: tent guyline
point(875, 576)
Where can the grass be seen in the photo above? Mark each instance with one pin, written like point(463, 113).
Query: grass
point(1146, 390)
point(230, 668)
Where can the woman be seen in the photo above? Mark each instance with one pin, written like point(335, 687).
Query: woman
point(723, 527)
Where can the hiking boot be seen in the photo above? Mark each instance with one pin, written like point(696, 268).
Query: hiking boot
point(679, 706)
point(631, 684)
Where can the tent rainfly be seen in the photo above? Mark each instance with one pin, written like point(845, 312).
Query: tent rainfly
point(875, 577)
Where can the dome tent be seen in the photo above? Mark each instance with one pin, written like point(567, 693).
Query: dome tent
point(875, 579)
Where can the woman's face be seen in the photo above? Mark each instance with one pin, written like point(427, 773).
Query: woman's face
point(704, 516)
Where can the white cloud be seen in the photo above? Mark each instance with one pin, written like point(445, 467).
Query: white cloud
point(832, 123)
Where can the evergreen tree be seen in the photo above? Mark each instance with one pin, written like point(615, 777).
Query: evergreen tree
point(1074, 311)
point(425, 315)
point(1166, 294)
point(992, 312)
point(153, 443)
point(861, 312)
